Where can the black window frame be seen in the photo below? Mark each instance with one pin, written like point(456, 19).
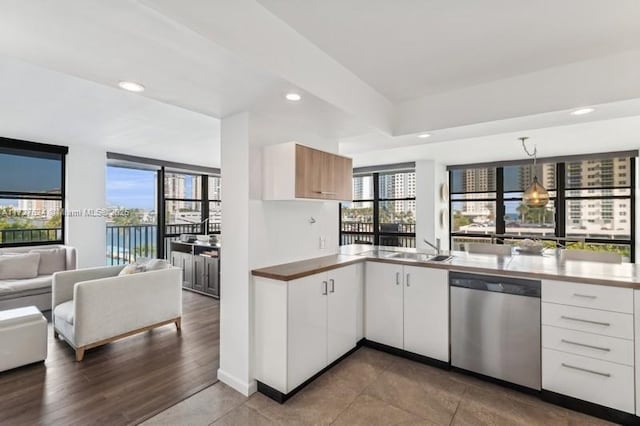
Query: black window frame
point(204, 201)
point(378, 235)
point(32, 149)
point(560, 199)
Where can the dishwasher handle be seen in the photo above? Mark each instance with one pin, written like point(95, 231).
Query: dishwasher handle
point(507, 285)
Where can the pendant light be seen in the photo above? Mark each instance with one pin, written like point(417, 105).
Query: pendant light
point(536, 195)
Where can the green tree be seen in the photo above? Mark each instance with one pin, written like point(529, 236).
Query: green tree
point(54, 222)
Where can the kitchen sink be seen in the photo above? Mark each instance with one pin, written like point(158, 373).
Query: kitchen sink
point(408, 256)
point(440, 258)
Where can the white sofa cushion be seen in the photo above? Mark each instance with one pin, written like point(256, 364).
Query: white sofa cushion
point(51, 260)
point(19, 266)
point(64, 311)
point(11, 286)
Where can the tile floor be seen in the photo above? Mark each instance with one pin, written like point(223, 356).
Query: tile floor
point(374, 388)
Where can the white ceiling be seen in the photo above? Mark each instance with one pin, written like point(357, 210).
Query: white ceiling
point(372, 73)
point(411, 48)
point(617, 134)
point(41, 105)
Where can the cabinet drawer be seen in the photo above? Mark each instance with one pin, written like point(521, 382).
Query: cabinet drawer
point(606, 323)
point(589, 379)
point(591, 345)
point(609, 298)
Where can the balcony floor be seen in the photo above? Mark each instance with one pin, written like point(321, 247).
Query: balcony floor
point(121, 383)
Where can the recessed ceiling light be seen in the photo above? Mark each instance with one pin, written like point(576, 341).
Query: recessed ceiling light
point(424, 135)
point(131, 86)
point(582, 111)
point(293, 97)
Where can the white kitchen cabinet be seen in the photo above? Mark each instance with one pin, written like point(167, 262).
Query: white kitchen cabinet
point(636, 299)
point(587, 343)
point(307, 325)
point(342, 303)
point(383, 303)
point(426, 312)
point(407, 307)
point(303, 325)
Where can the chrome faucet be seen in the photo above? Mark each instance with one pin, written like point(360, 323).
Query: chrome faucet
point(435, 246)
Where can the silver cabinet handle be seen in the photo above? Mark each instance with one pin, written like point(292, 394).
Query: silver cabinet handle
point(604, 324)
point(569, 342)
point(324, 288)
point(408, 285)
point(333, 285)
point(586, 370)
point(326, 193)
point(586, 296)
point(397, 278)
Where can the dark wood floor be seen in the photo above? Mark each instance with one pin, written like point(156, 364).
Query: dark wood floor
point(121, 383)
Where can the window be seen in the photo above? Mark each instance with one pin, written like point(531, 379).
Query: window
point(183, 209)
point(161, 200)
point(590, 203)
point(31, 193)
point(382, 211)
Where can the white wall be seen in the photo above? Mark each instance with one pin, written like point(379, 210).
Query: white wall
point(430, 176)
point(260, 233)
point(85, 189)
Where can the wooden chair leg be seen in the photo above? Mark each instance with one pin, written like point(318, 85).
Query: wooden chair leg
point(178, 324)
point(79, 354)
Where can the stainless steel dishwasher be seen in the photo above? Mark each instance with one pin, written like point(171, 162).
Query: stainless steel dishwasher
point(495, 327)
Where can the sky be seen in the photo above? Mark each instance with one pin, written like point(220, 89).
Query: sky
point(131, 188)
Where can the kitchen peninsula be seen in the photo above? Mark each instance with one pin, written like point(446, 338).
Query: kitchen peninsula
point(311, 314)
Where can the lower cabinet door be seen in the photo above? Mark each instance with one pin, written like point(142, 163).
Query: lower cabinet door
point(307, 328)
point(426, 312)
point(212, 285)
point(601, 382)
point(342, 310)
point(199, 273)
point(383, 303)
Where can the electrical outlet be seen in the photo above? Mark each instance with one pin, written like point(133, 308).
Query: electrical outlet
point(323, 243)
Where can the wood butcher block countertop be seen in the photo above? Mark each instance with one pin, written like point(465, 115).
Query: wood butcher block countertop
point(550, 266)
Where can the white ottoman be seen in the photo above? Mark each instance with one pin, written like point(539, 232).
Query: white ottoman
point(23, 337)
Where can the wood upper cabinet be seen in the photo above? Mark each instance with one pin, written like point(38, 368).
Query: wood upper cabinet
point(293, 171)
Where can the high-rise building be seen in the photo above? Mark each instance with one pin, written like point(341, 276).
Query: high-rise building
point(39, 208)
point(592, 215)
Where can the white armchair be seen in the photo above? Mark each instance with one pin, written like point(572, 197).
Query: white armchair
point(95, 306)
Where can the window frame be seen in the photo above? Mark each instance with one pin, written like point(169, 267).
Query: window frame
point(16, 147)
point(560, 214)
point(376, 201)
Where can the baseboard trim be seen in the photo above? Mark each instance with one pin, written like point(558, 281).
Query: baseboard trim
point(245, 388)
point(605, 413)
point(281, 398)
point(405, 354)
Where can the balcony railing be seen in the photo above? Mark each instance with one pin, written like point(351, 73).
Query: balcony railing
point(391, 234)
point(125, 243)
point(30, 235)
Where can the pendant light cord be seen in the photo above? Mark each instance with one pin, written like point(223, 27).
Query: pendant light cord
point(535, 150)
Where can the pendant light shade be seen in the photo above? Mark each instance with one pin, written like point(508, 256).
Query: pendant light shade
point(535, 196)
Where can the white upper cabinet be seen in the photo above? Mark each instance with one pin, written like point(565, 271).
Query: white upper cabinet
point(292, 171)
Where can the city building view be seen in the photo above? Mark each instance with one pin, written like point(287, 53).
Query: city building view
point(595, 203)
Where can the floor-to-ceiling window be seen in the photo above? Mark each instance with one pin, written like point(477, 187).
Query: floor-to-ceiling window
point(383, 209)
point(591, 203)
point(132, 220)
point(153, 202)
point(32, 193)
